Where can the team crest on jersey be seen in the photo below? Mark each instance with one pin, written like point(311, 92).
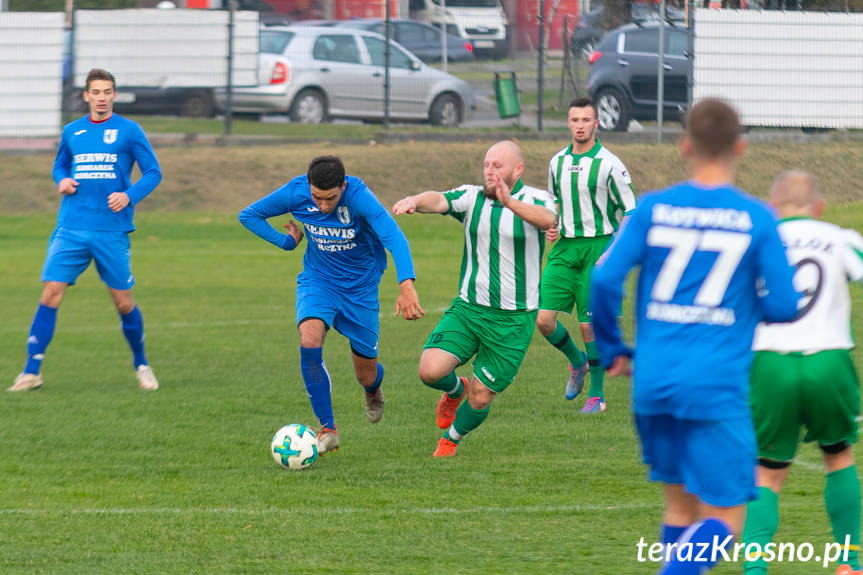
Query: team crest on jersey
point(110, 136)
point(344, 215)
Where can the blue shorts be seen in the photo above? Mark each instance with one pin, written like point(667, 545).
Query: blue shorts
point(70, 253)
point(354, 315)
point(713, 460)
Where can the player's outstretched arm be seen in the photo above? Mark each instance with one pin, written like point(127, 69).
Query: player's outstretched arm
point(424, 203)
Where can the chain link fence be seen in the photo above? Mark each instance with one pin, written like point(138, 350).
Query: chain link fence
point(455, 63)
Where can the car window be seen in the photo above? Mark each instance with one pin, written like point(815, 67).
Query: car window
point(336, 48)
point(411, 34)
point(677, 44)
point(398, 59)
point(642, 41)
point(273, 42)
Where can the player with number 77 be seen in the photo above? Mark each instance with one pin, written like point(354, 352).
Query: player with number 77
point(712, 266)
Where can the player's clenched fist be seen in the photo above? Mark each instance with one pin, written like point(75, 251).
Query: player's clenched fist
point(67, 186)
point(295, 231)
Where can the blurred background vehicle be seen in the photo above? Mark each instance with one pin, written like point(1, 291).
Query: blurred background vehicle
point(422, 40)
point(589, 30)
point(623, 75)
point(482, 22)
point(192, 102)
point(315, 74)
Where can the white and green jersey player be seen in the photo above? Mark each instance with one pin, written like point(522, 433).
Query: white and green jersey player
point(502, 257)
point(493, 316)
point(802, 374)
point(593, 191)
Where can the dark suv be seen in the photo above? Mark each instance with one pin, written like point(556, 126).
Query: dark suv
point(623, 74)
point(588, 32)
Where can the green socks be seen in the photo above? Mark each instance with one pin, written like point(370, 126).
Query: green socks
point(450, 384)
point(597, 372)
point(466, 420)
point(762, 520)
point(560, 339)
point(842, 500)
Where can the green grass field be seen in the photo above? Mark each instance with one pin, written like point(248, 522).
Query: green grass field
point(97, 476)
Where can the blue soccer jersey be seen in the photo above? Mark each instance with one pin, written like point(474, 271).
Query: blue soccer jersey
point(346, 246)
point(100, 156)
point(711, 267)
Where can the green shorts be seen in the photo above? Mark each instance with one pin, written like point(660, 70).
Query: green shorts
point(498, 338)
point(566, 278)
point(789, 390)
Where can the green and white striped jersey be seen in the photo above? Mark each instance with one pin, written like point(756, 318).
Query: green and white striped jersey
point(593, 191)
point(826, 257)
point(502, 257)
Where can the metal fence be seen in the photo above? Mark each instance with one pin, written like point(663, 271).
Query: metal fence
point(781, 68)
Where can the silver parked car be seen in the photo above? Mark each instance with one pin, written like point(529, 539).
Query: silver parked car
point(318, 73)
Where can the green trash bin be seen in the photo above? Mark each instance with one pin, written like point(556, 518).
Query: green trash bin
point(506, 93)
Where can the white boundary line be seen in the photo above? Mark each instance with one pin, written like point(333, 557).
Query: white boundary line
point(333, 511)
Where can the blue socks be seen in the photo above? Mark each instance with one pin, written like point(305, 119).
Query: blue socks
point(671, 533)
point(41, 333)
point(318, 384)
point(373, 388)
point(700, 537)
point(133, 329)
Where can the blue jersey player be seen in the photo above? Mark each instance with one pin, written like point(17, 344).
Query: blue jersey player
point(348, 229)
point(93, 172)
point(711, 267)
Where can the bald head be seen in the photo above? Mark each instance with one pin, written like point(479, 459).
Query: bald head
point(795, 193)
point(508, 150)
point(503, 158)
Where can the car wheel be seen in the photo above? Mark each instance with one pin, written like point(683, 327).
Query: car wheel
point(309, 107)
point(444, 111)
point(613, 110)
point(199, 104)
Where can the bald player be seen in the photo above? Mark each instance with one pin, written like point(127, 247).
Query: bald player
point(493, 316)
point(803, 375)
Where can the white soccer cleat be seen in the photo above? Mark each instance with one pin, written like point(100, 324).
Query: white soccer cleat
point(26, 382)
point(374, 406)
point(328, 440)
point(146, 378)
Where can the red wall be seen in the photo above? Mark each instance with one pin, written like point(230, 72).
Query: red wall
point(527, 27)
point(341, 9)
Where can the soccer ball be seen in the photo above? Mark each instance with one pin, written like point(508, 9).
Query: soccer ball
point(295, 446)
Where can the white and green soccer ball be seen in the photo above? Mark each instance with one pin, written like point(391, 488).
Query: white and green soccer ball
point(295, 446)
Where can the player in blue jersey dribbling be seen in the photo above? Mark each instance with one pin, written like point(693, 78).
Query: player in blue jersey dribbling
point(711, 267)
point(93, 172)
point(348, 229)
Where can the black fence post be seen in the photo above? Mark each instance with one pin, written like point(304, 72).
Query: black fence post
point(540, 65)
point(229, 108)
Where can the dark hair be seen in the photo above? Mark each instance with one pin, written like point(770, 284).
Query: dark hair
point(99, 74)
point(326, 172)
point(713, 128)
point(584, 102)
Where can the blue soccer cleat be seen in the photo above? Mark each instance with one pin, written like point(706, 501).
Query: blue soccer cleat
point(594, 405)
point(576, 381)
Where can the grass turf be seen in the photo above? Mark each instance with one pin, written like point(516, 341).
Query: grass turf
point(99, 477)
